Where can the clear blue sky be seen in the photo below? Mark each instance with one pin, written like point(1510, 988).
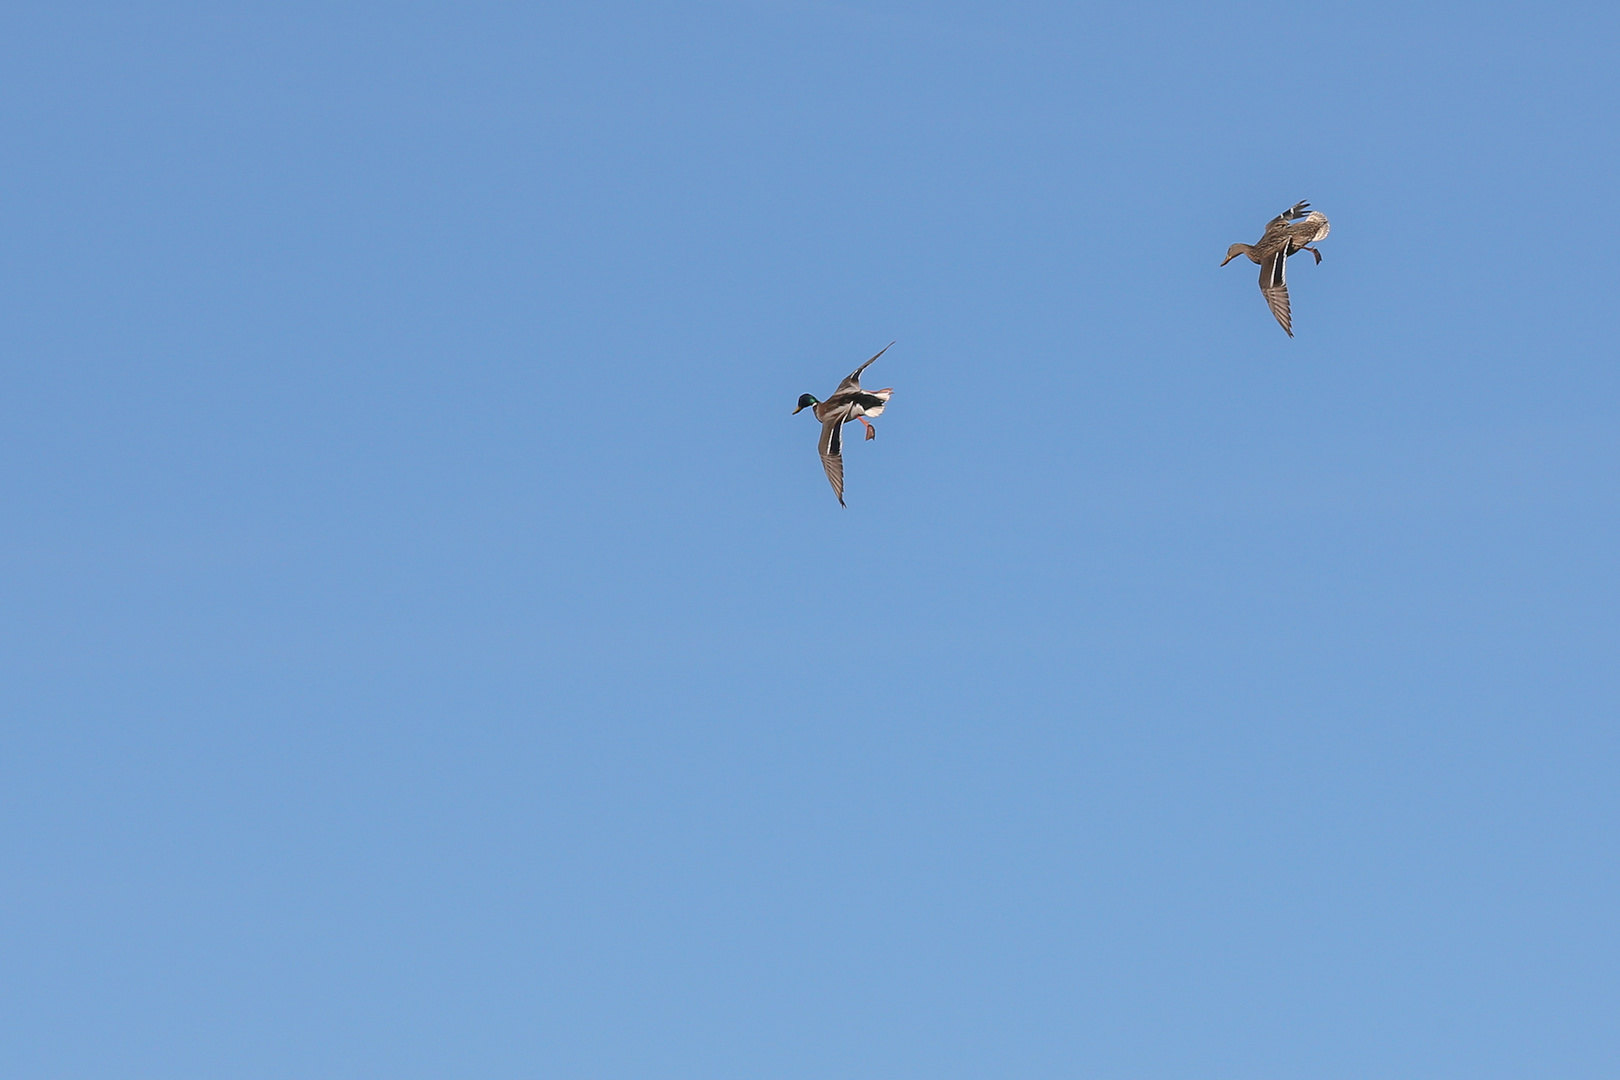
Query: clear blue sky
point(429, 647)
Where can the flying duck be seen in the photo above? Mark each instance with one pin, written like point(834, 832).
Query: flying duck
point(1285, 235)
point(848, 402)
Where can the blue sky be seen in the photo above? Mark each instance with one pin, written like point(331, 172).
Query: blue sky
point(429, 647)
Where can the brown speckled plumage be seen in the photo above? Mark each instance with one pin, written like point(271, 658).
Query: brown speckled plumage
point(1289, 233)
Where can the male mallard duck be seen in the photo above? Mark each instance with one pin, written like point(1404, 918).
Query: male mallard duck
point(1285, 235)
point(848, 402)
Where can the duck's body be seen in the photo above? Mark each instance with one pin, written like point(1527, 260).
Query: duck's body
point(848, 402)
point(1289, 233)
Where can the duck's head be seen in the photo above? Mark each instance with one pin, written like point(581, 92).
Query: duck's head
point(1235, 250)
point(805, 401)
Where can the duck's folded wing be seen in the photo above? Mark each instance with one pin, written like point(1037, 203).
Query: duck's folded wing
point(854, 377)
point(1274, 287)
point(832, 453)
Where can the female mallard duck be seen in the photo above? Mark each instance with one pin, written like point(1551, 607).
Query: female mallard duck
point(1285, 235)
point(848, 402)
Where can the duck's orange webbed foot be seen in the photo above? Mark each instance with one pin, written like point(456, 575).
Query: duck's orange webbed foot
point(871, 432)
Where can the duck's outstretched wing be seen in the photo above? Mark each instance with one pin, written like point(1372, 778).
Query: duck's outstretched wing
point(854, 378)
point(1293, 213)
point(832, 452)
point(1282, 225)
point(1274, 287)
